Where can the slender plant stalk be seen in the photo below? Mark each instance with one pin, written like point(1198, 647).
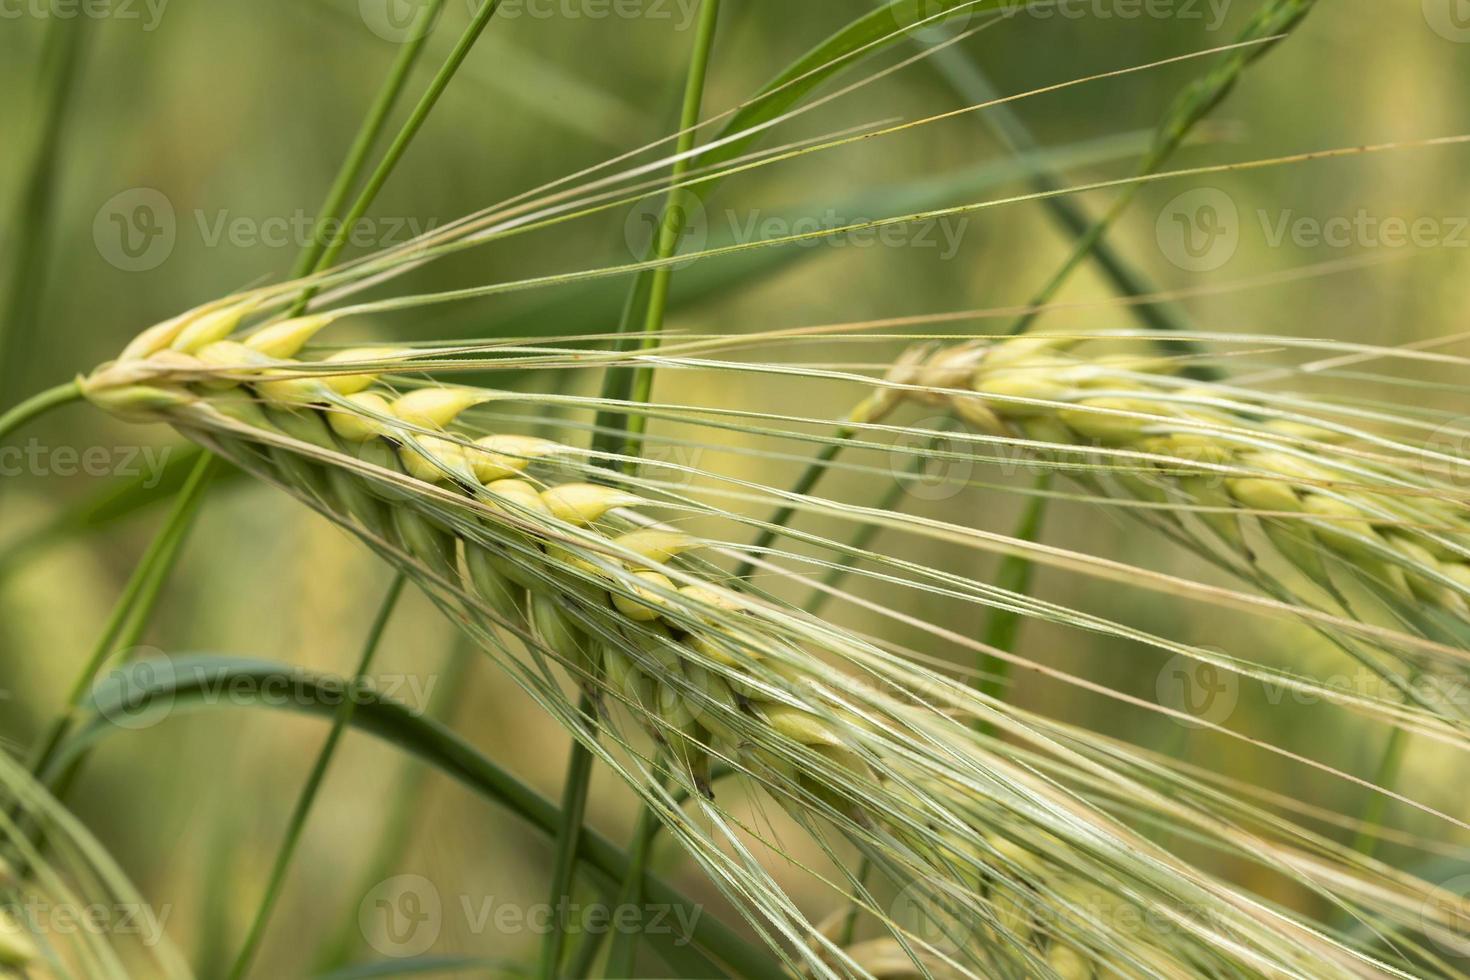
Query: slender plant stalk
point(135, 604)
point(568, 839)
point(622, 956)
point(406, 797)
point(863, 537)
point(848, 931)
point(138, 596)
point(33, 227)
point(38, 405)
point(410, 129)
point(1388, 772)
point(1275, 19)
point(1003, 122)
point(672, 227)
point(367, 135)
point(612, 425)
point(309, 791)
point(1004, 625)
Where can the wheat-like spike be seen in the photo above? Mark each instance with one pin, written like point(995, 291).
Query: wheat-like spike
point(695, 662)
point(1193, 446)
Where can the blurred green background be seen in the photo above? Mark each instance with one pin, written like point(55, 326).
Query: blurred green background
point(226, 121)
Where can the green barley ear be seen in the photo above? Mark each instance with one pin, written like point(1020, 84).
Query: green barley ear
point(566, 583)
point(1126, 426)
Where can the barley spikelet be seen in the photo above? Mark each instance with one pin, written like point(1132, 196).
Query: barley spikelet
point(716, 675)
point(1212, 464)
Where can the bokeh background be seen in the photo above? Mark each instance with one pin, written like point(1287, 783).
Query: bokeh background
point(202, 136)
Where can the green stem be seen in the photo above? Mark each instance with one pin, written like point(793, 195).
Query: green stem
point(568, 840)
point(38, 405)
point(406, 797)
point(622, 957)
point(671, 229)
point(579, 767)
point(1388, 772)
point(367, 135)
point(864, 535)
point(145, 584)
point(129, 614)
point(1274, 19)
point(1003, 122)
point(849, 921)
point(34, 226)
point(313, 785)
point(406, 135)
point(804, 485)
point(602, 862)
point(1014, 575)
